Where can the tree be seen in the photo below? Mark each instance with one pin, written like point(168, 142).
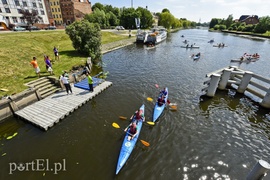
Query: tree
point(31, 17)
point(213, 22)
point(145, 16)
point(263, 25)
point(98, 16)
point(97, 6)
point(128, 16)
point(166, 20)
point(86, 38)
point(165, 10)
point(229, 21)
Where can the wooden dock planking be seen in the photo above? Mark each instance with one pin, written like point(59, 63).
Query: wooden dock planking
point(49, 111)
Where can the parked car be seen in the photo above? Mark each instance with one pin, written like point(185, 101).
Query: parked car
point(18, 28)
point(32, 28)
point(120, 28)
point(50, 28)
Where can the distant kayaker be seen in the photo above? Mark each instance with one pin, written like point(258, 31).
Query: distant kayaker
point(132, 130)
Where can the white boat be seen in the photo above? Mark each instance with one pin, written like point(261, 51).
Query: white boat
point(141, 36)
point(157, 35)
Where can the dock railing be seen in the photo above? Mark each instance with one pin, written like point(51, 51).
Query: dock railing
point(245, 82)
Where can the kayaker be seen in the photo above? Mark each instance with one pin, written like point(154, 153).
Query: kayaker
point(132, 130)
point(164, 92)
point(161, 100)
point(138, 115)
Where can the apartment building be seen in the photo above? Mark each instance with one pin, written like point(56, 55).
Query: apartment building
point(10, 12)
point(73, 10)
point(56, 12)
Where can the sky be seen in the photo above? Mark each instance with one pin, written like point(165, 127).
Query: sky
point(197, 10)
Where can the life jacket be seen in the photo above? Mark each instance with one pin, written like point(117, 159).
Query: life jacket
point(139, 114)
point(132, 129)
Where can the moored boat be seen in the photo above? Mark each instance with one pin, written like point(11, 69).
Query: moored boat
point(128, 145)
point(159, 109)
point(141, 36)
point(157, 35)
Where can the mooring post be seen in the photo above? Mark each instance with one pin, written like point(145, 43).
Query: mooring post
point(213, 84)
point(259, 170)
point(224, 78)
point(244, 82)
point(266, 100)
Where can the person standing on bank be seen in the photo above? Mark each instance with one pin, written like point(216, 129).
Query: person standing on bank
point(90, 82)
point(65, 81)
point(56, 54)
point(35, 66)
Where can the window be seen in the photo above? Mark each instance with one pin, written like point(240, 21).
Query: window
point(57, 3)
point(59, 10)
point(60, 16)
point(17, 3)
point(51, 3)
point(54, 3)
point(53, 16)
point(42, 12)
point(40, 5)
point(55, 9)
point(0, 10)
point(7, 10)
point(4, 1)
point(52, 10)
point(15, 20)
point(22, 20)
point(24, 4)
point(19, 11)
point(34, 4)
point(56, 15)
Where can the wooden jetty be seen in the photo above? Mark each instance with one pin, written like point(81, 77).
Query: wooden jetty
point(49, 111)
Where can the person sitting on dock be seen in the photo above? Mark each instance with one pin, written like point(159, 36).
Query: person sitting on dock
point(132, 131)
point(161, 100)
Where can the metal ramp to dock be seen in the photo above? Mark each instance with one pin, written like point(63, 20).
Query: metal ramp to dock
point(49, 111)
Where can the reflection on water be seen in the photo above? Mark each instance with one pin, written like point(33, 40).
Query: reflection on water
point(206, 138)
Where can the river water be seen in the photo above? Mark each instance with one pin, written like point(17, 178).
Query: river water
point(206, 138)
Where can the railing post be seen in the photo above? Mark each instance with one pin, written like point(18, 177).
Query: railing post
point(245, 81)
point(213, 84)
point(266, 100)
point(259, 170)
point(224, 78)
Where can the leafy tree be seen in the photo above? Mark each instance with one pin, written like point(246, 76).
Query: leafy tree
point(229, 21)
point(31, 17)
point(165, 10)
point(145, 16)
point(213, 22)
point(98, 6)
point(263, 25)
point(112, 19)
point(222, 27)
point(128, 16)
point(166, 20)
point(86, 38)
point(98, 16)
point(216, 27)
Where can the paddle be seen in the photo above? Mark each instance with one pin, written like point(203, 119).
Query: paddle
point(150, 99)
point(148, 122)
point(115, 125)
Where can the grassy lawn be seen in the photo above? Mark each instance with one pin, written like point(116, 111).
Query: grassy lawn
point(18, 48)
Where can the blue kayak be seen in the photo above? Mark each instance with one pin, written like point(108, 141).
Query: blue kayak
point(159, 109)
point(128, 146)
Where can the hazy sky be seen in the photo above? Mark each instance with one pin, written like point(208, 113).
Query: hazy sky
point(196, 10)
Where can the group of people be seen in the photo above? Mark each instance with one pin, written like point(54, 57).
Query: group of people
point(139, 116)
point(47, 61)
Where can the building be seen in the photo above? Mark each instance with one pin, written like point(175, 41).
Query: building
point(10, 12)
point(56, 12)
point(73, 10)
point(249, 19)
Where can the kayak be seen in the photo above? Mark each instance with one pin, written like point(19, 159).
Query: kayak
point(189, 46)
point(196, 57)
point(159, 109)
point(128, 146)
